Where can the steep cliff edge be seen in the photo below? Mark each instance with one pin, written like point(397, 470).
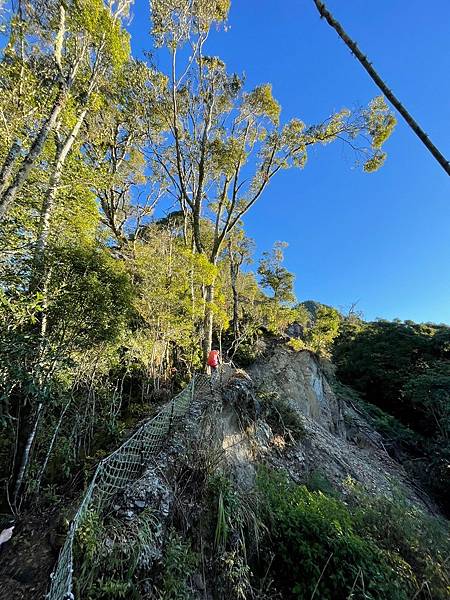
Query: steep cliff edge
point(337, 442)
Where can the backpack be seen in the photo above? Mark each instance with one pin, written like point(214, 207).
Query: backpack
point(213, 358)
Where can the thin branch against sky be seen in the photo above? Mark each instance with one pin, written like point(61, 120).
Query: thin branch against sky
point(353, 46)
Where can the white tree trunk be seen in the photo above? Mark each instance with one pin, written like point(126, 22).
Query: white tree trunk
point(208, 322)
point(26, 456)
point(9, 194)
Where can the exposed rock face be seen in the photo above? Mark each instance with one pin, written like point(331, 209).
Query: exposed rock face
point(245, 437)
point(237, 447)
point(338, 443)
point(300, 377)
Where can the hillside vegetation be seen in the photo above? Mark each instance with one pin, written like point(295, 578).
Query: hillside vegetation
point(122, 193)
point(123, 260)
point(402, 373)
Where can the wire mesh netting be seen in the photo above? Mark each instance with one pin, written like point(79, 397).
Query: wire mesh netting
point(122, 467)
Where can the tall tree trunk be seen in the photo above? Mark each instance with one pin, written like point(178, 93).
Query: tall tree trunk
point(208, 321)
point(8, 166)
point(235, 311)
point(234, 272)
point(63, 149)
point(50, 447)
point(41, 278)
point(9, 194)
point(26, 454)
point(325, 13)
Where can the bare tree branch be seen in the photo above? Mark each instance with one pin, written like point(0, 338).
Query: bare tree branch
point(352, 45)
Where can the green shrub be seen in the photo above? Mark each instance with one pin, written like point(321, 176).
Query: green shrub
point(108, 555)
point(404, 369)
point(421, 540)
point(296, 344)
point(280, 415)
point(236, 573)
point(230, 507)
point(237, 531)
point(89, 535)
point(179, 563)
point(319, 550)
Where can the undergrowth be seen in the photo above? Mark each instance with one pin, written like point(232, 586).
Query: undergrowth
point(110, 555)
point(178, 564)
point(280, 415)
point(373, 549)
point(238, 529)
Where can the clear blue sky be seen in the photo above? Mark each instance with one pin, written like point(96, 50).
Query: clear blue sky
point(380, 239)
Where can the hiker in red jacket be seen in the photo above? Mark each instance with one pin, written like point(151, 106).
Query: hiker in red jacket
point(213, 359)
point(213, 363)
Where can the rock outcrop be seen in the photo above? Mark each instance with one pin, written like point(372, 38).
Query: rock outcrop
point(301, 379)
point(338, 441)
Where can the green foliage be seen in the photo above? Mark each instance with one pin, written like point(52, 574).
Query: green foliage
point(261, 102)
point(89, 534)
point(94, 18)
point(225, 496)
point(92, 295)
point(109, 555)
point(319, 327)
point(237, 529)
point(236, 573)
point(234, 512)
point(221, 533)
point(380, 125)
point(322, 332)
point(403, 369)
point(276, 277)
point(279, 414)
point(275, 317)
point(428, 394)
point(421, 540)
point(296, 344)
point(325, 548)
point(178, 564)
point(170, 303)
point(380, 358)
point(175, 21)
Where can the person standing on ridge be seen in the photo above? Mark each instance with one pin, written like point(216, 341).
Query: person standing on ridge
point(213, 363)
